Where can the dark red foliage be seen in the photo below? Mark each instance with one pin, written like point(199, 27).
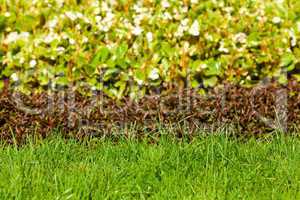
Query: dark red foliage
point(249, 111)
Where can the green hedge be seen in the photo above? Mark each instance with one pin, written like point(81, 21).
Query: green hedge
point(125, 47)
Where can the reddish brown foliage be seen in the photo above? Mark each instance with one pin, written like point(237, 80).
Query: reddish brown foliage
point(248, 111)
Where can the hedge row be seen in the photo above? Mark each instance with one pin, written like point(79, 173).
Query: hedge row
point(126, 47)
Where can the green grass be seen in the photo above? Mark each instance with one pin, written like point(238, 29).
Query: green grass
point(212, 167)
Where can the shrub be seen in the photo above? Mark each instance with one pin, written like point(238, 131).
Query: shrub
point(127, 47)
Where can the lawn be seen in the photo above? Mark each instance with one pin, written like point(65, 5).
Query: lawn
point(209, 167)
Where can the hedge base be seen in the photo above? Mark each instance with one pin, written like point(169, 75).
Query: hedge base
point(248, 111)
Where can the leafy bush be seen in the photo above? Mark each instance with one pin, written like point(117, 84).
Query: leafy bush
point(126, 47)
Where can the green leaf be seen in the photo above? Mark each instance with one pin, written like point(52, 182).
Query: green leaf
point(213, 68)
point(26, 23)
point(195, 65)
point(194, 83)
point(201, 92)
point(89, 69)
point(7, 71)
point(44, 80)
point(282, 79)
point(297, 77)
point(99, 86)
point(122, 63)
point(253, 40)
point(1, 85)
point(290, 67)
point(111, 63)
point(62, 81)
point(121, 50)
point(1, 54)
point(167, 50)
point(101, 56)
point(104, 54)
point(139, 74)
point(122, 86)
point(262, 59)
point(2, 23)
point(287, 59)
point(210, 82)
point(110, 73)
point(92, 81)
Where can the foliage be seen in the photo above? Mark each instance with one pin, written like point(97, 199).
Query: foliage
point(245, 111)
point(126, 47)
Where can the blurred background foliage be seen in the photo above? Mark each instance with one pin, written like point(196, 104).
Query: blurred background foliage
point(129, 47)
